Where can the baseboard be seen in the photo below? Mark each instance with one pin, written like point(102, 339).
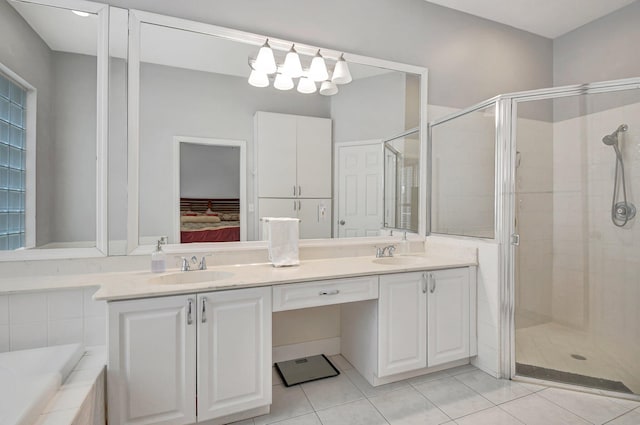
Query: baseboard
point(328, 346)
point(238, 416)
point(402, 376)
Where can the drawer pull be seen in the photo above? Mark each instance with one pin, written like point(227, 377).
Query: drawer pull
point(334, 292)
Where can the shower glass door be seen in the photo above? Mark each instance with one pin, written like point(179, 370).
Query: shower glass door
point(577, 265)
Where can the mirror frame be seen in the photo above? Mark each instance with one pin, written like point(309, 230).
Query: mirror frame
point(139, 17)
point(102, 128)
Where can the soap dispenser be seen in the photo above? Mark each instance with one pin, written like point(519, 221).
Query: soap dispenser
point(158, 258)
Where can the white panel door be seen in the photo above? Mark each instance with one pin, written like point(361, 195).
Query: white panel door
point(276, 144)
point(402, 323)
point(360, 175)
point(314, 150)
point(152, 361)
point(234, 351)
point(315, 218)
point(448, 319)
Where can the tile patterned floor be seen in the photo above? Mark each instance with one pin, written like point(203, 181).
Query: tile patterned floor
point(463, 396)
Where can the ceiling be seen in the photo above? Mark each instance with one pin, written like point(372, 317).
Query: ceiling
point(548, 18)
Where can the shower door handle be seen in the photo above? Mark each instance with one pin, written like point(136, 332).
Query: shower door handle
point(515, 239)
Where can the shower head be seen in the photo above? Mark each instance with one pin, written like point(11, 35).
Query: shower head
point(612, 139)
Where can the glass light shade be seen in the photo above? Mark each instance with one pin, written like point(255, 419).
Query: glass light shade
point(292, 66)
point(341, 73)
point(283, 82)
point(306, 85)
point(328, 88)
point(258, 79)
point(79, 13)
point(265, 62)
point(318, 69)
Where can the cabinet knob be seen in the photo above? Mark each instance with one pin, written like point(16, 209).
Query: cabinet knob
point(342, 222)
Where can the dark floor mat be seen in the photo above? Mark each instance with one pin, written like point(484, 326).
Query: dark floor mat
point(306, 369)
point(570, 378)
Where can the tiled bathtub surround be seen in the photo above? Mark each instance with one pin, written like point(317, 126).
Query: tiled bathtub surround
point(45, 318)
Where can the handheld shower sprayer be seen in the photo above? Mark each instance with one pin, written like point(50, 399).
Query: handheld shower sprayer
point(623, 211)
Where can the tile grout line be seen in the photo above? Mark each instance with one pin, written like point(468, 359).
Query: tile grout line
point(429, 400)
point(570, 411)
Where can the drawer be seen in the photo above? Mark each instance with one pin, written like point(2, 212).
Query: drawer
point(325, 292)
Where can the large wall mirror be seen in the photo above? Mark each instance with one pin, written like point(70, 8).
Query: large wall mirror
point(53, 135)
point(210, 154)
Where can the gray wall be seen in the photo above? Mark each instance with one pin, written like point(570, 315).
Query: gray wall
point(22, 51)
point(73, 210)
point(209, 171)
point(469, 58)
point(180, 102)
point(370, 108)
point(605, 49)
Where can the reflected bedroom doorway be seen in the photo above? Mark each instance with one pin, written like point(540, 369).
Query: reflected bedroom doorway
point(209, 190)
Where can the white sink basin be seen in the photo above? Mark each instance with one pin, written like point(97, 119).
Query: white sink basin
point(402, 260)
point(196, 276)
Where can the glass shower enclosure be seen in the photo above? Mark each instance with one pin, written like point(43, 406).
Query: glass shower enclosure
point(566, 174)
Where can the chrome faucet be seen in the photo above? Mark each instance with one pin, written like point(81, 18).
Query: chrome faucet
point(187, 264)
point(389, 249)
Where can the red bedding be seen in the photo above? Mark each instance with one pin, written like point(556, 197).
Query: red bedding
point(224, 234)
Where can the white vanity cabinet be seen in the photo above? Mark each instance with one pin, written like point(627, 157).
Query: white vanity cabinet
point(421, 320)
point(294, 156)
point(448, 315)
point(402, 323)
point(165, 352)
point(234, 352)
point(152, 361)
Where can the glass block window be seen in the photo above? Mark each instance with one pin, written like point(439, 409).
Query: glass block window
point(13, 100)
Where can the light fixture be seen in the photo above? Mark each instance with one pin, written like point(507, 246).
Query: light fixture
point(328, 88)
point(292, 66)
point(341, 73)
point(79, 13)
point(306, 85)
point(283, 82)
point(265, 62)
point(265, 69)
point(318, 70)
point(258, 79)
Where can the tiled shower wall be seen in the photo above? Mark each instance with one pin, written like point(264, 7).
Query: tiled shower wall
point(41, 319)
point(601, 277)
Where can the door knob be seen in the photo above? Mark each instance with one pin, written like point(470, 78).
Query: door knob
point(342, 222)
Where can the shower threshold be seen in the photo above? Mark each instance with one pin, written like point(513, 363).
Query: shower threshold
point(545, 374)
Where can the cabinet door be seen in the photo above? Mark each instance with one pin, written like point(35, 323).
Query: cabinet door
point(274, 207)
point(275, 136)
point(314, 149)
point(234, 351)
point(151, 375)
point(402, 323)
point(315, 218)
point(448, 320)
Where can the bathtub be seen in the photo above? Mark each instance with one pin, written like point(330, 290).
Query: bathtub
point(29, 378)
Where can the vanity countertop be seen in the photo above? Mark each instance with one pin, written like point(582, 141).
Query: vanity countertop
point(122, 286)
